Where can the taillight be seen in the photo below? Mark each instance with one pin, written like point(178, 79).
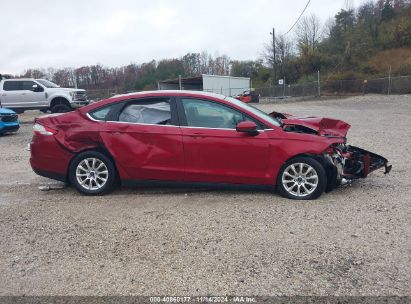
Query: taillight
point(42, 130)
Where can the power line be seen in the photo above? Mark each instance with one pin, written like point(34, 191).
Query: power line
point(298, 17)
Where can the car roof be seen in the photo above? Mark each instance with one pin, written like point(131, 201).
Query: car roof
point(172, 93)
point(18, 79)
point(148, 94)
point(161, 93)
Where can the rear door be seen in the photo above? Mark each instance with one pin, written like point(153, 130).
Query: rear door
point(145, 139)
point(214, 151)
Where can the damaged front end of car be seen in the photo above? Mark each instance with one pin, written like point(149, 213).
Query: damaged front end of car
point(349, 163)
point(343, 163)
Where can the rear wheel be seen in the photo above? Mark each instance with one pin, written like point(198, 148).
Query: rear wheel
point(302, 178)
point(92, 173)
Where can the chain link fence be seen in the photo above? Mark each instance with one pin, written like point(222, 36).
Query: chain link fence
point(388, 85)
point(100, 94)
point(289, 90)
point(228, 91)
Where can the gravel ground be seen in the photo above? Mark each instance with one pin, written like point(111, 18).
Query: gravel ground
point(151, 241)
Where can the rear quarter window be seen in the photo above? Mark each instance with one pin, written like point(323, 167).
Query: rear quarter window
point(102, 113)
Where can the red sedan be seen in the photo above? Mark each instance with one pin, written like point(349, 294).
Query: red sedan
point(195, 137)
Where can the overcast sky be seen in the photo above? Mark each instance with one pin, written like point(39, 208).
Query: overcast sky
point(57, 33)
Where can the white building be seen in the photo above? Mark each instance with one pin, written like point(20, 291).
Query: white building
point(225, 85)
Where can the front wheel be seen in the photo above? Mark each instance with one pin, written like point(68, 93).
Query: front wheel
point(92, 173)
point(302, 178)
point(61, 107)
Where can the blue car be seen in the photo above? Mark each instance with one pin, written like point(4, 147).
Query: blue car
point(9, 121)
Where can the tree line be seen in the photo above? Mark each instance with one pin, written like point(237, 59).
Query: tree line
point(134, 76)
point(355, 43)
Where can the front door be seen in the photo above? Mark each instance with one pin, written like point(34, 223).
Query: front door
point(214, 151)
point(29, 97)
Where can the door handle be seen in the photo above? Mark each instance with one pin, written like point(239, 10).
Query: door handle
point(23, 93)
point(198, 135)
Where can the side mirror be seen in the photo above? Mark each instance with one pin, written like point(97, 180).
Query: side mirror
point(36, 88)
point(248, 127)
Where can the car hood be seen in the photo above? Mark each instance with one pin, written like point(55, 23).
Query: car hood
point(65, 90)
point(6, 111)
point(320, 125)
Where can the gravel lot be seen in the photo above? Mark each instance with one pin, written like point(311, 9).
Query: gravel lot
point(152, 241)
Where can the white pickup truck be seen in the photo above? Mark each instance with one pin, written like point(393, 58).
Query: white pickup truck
point(39, 94)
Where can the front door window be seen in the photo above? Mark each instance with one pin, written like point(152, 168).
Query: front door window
point(207, 114)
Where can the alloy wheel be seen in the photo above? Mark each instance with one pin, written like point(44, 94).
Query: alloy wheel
point(300, 179)
point(92, 173)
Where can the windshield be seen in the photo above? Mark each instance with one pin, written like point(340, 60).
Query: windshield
point(255, 111)
point(47, 84)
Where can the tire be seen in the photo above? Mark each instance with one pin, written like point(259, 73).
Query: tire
point(60, 106)
point(96, 178)
point(301, 178)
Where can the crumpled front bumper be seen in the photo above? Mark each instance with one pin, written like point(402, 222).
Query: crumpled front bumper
point(350, 163)
point(370, 161)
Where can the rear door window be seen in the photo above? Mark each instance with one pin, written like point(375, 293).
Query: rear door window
point(12, 85)
point(149, 111)
point(152, 111)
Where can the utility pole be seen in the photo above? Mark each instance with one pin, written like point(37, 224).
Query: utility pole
point(319, 83)
point(75, 79)
point(274, 71)
point(389, 81)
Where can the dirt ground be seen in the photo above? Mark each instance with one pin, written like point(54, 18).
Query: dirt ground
point(155, 241)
